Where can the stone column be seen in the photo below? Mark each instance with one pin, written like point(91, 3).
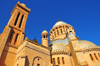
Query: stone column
point(61, 63)
point(21, 37)
point(13, 39)
point(56, 61)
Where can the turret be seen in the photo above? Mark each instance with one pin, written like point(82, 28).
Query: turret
point(45, 38)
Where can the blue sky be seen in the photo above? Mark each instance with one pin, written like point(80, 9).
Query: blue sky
point(83, 15)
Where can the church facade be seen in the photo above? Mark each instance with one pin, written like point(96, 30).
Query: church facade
point(65, 48)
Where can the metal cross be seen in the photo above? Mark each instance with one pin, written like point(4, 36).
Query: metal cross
point(58, 19)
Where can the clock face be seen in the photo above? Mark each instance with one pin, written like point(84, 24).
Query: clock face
point(65, 41)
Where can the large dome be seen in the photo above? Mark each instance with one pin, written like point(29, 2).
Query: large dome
point(86, 44)
point(59, 23)
point(58, 47)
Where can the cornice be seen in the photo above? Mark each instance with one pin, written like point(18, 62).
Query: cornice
point(58, 39)
point(12, 46)
point(21, 6)
point(61, 52)
point(34, 43)
point(91, 49)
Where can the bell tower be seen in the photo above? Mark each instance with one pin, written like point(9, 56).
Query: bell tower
point(13, 33)
point(17, 23)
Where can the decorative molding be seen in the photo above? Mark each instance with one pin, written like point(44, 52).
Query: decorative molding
point(61, 52)
point(91, 49)
point(24, 56)
point(12, 46)
point(34, 43)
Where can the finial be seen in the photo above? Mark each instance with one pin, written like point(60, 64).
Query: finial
point(44, 28)
point(58, 19)
point(35, 37)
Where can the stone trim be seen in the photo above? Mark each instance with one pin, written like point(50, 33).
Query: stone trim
point(15, 28)
point(34, 43)
point(38, 51)
point(9, 52)
point(91, 49)
point(23, 7)
point(24, 56)
point(12, 46)
point(26, 9)
point(61, 52)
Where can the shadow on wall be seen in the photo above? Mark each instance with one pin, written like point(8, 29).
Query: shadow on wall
point(3, 57)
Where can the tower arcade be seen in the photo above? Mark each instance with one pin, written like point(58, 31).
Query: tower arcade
point(13, 34)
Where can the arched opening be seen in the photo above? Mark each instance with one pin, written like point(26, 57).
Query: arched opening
point(44, 36)
point(95, 56)
point(17, 64)
point(38, 64)
point(53, 61)
point(16, 37)
point(11, 35)
point(58, 32)
point(99, 54)
point(63, 60)
point(16, 19)
point(55, 34)
point(58, 60)
point(61, 30)
point(70, 32)
point(38, 61)
point(21, 21)
point(91, 57)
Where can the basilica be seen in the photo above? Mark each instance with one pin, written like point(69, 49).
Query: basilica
point(65, 49)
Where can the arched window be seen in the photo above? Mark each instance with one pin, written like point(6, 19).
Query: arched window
point(99, 54)
point(44, 36)
point(63, 60)
point(38, 64)
point(21, 21)
point(53, 61)
point(61, 30)
point(58, 60)
point(17, 64)
point(58, 32)
point(16, 37)
point(95, 56)
point(11, 35)
point(91, 57)
point(55, 34)
point(16, 19)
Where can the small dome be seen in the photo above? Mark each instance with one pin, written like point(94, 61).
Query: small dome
point(86, 44)
point(44, 32)
point(58, 47)
point(59, 23)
